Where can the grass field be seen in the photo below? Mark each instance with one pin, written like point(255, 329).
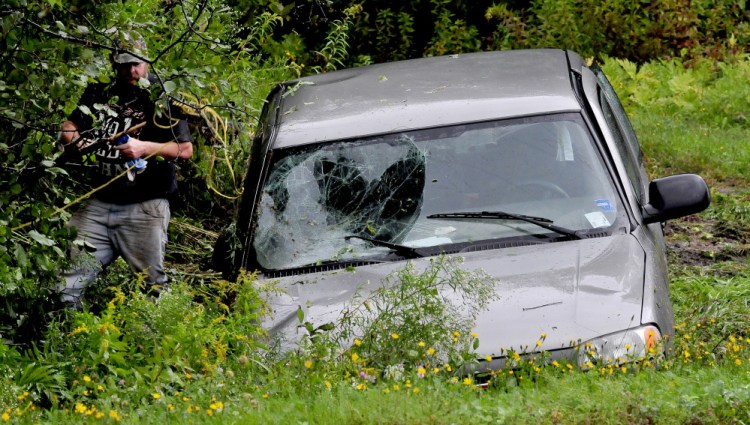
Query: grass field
point(132, 362)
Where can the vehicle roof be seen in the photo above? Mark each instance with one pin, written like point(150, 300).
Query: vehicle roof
point(423, 93)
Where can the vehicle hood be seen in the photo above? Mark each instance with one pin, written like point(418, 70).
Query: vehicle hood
point(569, 291)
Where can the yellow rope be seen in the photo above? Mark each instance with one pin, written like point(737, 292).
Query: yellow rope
point(219, 130)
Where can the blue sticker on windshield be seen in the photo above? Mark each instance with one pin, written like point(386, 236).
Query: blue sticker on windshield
point(604, 205)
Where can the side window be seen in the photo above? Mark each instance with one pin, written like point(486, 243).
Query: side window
point(626, 141)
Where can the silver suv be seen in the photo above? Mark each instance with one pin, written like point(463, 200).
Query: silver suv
point(521, 162)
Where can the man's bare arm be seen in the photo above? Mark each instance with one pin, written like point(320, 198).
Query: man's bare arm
point(136, 148)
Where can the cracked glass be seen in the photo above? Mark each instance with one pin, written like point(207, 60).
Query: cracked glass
point(316, 197)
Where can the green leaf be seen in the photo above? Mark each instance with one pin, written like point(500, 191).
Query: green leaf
point(170, 86)
point(41, 239)
point(326, 327)
point(300, 315)
point(20, 255)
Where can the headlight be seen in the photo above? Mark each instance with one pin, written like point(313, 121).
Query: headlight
point(620, 347)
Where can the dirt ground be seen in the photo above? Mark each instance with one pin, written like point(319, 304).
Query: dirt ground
point(699, 240)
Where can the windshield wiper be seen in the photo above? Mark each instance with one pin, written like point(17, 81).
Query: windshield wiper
point(402, 250)
point(501, 215)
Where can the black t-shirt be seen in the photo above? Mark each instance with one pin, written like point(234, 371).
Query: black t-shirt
point(119, 106)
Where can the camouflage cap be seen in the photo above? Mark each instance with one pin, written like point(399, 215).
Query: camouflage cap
point(130, 49)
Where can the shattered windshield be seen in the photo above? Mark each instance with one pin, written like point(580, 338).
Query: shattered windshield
point(383, 188)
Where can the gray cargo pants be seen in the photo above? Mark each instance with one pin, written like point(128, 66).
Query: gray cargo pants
point(137, 232)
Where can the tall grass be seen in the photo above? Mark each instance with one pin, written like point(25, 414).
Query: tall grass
point(195, 356)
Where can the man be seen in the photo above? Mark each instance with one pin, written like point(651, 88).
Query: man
point(129, 215)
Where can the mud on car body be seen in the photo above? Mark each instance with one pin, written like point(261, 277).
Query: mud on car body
point(523, 163)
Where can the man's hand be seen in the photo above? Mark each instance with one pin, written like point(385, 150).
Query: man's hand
point(133, 148)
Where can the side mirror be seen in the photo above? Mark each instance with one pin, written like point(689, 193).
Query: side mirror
point(674, 197)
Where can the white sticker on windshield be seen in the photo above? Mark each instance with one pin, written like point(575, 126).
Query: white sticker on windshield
point(597, 219)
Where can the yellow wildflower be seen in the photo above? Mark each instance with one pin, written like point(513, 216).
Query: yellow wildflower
point(86, 378)
point(394, 335)
point(308, 364)
point(156, 396)
point(79, 329)
point(357, 342)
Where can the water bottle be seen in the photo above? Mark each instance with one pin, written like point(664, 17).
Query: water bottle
point(138, 164)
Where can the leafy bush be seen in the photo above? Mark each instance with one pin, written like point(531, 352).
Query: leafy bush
point(50, 53)
point(415, 312)
point(638, 31)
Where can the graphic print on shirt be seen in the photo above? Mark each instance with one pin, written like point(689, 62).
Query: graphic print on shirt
point(115, 119)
